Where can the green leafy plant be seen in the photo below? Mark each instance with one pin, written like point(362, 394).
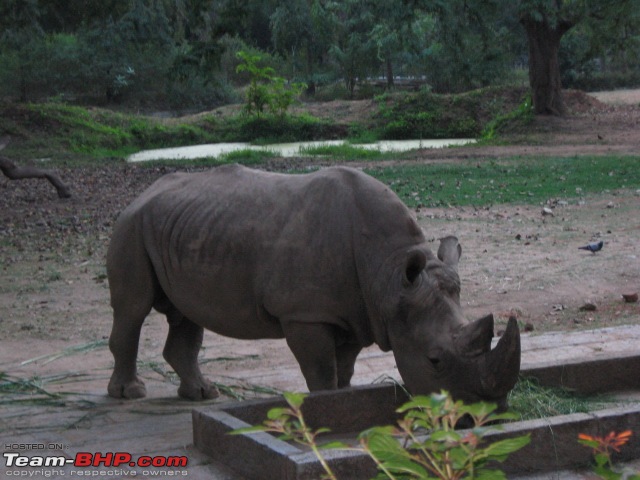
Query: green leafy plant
point(603, 447)
point(266, 90)
point(290, 424)
point(522, 115)
point(426, 445)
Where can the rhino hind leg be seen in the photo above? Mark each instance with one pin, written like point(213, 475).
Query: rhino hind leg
point(181, 352)
point(123, 343)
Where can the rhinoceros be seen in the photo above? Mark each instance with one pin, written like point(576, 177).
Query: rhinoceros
point(332, 261)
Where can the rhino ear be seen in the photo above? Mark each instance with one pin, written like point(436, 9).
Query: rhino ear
point(450, 251)
point(415, 263)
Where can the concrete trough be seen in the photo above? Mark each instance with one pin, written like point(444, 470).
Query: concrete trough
point(553, 444)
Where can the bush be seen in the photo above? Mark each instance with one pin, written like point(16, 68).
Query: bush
point(271, 128)
point(424, 445)
point(266, 90)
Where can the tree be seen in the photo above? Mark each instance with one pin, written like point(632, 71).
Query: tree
point(545, 23)
point(354, 51)
point(393, 33)
point(302, 32)
point(21, 35)
point(465, 43)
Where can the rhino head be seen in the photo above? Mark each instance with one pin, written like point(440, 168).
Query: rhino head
point(435, 347)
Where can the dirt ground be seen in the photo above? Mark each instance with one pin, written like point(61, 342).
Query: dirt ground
point(54, 294)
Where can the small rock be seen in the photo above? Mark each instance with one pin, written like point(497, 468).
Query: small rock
point(528, 327)
point(630, 297)
point(588, 307)
point(547, 211)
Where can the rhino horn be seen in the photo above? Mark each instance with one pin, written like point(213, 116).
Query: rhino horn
point(500, 367)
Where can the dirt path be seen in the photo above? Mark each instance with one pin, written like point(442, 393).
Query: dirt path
point(53, 292)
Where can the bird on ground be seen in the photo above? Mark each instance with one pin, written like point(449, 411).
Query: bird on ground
point(593, 247)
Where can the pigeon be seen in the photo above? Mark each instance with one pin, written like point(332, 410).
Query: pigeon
point(593, 247)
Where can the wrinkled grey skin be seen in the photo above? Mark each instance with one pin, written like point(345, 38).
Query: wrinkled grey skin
point(332, 261)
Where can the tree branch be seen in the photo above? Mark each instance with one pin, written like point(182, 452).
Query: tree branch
point(14, 172)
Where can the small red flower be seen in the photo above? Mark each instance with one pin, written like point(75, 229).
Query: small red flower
point(612, 440)
point(620, 439)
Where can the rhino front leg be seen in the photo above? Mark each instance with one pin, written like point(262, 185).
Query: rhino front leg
point(314, 346)
point(346, 356)
point(181, 351)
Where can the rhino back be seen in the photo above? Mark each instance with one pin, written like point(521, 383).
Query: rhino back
point(259, 247)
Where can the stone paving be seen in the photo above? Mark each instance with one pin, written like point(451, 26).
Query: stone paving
point(79, 417)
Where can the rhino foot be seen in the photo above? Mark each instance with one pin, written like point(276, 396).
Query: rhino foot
point(203, 390)
point(130, 390)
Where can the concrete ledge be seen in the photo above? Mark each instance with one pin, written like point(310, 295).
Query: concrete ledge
point(554, 441)
point(604, 373)
point(260, 455)
point(553, 444)
point(581, 364)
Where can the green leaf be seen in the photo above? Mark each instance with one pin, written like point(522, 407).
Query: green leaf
point(486, 474)
point(446, 436)
point(386, 430)
point(589, 443)
point(405, 465)
point(505, 447)
point(607, 473)
point(384, 445)
point(504, 416)
point(278, 412)
point(480, 409)
point(294, 399)
point(335, 445)
point(241, 431)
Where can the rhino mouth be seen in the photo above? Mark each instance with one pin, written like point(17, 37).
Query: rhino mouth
point(471, 371)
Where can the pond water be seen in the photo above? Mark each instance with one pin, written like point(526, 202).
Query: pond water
point(285, 149)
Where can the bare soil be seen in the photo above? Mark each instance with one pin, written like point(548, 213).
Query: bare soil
point(54, 294)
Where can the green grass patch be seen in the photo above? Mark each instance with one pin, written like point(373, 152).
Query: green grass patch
point(529, 400)
point(517, 180)
point(345, 152)
point(517, 118)
point(360, 134)
point(265, 129)
point(246, 156)
point(77, 134)
point(18, 391)
point(426, 114)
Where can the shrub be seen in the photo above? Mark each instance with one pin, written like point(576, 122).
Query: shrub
point(266, 90)
point(424, 445)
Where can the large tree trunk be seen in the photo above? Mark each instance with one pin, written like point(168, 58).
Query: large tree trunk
point(544, 68)
point(389, 66)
